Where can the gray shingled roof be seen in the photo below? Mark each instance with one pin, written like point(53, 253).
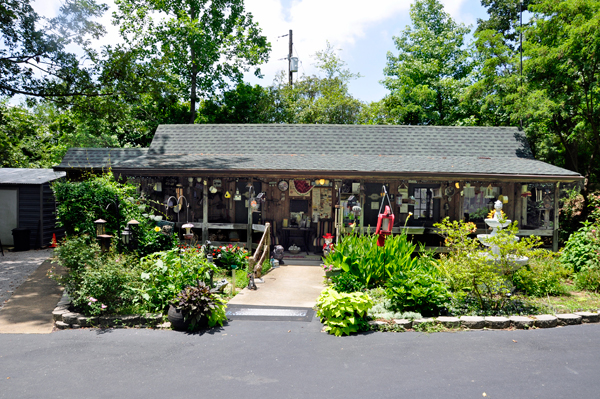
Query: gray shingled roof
point(340, 148)
point(28, 176)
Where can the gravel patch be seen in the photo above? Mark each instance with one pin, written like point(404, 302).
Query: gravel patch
point(15, 267)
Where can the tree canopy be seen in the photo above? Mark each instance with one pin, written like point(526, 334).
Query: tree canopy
point(34, 56)
point(201, 44)
point(431, 69)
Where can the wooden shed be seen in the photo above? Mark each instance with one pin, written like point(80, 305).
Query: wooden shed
point(308, 174)
point(27, 202)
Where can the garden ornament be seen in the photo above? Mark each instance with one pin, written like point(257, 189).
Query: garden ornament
point(385, 220)
point(251, 283)
point(328, 246)
point(278, 253)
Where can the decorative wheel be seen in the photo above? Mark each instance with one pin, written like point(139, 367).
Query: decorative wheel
point(283, 185)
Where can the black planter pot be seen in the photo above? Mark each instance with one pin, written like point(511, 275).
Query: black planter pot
point(178, 323)
point(176, 318)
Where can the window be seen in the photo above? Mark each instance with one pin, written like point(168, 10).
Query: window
point(423, 203)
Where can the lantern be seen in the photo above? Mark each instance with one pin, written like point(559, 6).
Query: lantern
point(188, 231)
point(100, 227)
point(385, 223)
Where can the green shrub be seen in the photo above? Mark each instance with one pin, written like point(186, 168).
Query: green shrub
point(97, 282)
point(582, 250)
point(343, 313)
point(197, 303)
point(110, 288)
point(467, 267)
point(588, 279)
point(418, 289)
point(79, 204)
point(371, 264)
point(165, 274)
point(506, 305)
point(347, 282)
point(543, 275)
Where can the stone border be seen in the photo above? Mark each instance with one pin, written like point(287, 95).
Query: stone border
point(64, 318)
point(498, 322)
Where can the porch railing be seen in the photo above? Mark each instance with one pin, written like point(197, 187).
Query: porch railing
point(262, 252)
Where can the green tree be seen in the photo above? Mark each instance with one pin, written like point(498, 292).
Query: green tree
point(562, 70)
point(34, 55)
point(201, 44)
point(431, 70)
point(244, 104)
point(322, 98)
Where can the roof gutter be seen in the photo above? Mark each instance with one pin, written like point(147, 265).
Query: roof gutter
point(338, 174)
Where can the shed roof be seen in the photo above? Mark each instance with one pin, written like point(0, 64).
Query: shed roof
point(28, 176)
point(322, 148)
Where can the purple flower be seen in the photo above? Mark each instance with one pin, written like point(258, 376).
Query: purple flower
point(103, 306)
point(92, 299)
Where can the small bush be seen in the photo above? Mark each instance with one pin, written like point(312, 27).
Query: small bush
point(543, 275)
point(347, 282)
point(97, 282)
point(418, 289)
point(588, 279)
point(343, 313)
point(110, 288)
point(165, 274)
point(582, 251)
point(498, 306)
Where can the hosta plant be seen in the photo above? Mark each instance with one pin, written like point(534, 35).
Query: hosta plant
point(343, 313)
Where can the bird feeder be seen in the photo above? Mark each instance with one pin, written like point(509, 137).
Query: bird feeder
point(100, 227)
point(188, 231)
point(126, 236)
point(385, 223)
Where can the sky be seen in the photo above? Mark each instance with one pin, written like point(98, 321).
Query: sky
point(361, 30)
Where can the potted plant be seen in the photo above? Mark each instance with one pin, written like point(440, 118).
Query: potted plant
point(195, 307)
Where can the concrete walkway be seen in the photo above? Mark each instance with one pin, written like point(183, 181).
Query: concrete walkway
point(294, 286)
point(29, 310)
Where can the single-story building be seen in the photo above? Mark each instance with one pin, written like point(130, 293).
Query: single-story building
point(306, 172)
point(27, 203)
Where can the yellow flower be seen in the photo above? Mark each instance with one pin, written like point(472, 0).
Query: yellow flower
point(157, 229)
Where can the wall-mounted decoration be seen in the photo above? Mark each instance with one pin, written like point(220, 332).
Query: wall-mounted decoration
point(300, 188)
point(217, 183)
point(321, 203)
point(283, 185)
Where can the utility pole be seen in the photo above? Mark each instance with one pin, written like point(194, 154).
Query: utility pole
point(290, 58)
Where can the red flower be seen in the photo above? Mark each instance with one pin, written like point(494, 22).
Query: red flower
point(219, 250)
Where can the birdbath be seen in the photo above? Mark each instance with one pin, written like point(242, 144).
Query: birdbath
point(497, 223)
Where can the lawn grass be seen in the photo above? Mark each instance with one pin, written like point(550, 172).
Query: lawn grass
point(573, 301)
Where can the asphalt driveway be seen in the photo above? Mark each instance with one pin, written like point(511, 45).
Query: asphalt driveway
point(295, 360)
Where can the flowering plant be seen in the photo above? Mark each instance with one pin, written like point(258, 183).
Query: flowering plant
point(227, 255)
point(95, 307)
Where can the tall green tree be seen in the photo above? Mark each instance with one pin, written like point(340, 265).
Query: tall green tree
point(202, 44)
point(431, 70)
point(36, 57)
point(243, 104)
point(562, 70)
point(321, 98)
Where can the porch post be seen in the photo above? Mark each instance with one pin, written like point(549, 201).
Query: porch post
point(249, 227)
point(205, 211)
point(556, 212)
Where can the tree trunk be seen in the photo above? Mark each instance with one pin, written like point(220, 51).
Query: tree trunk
point(193, 89)
point(194, 73)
